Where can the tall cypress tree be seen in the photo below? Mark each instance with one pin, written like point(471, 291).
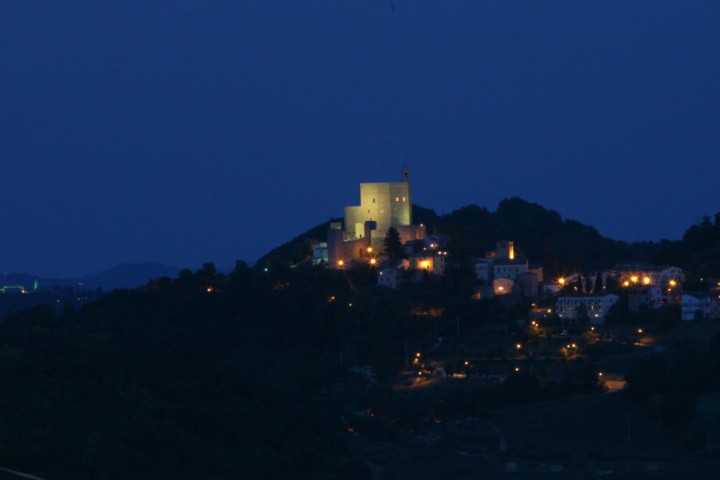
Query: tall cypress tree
point(393, 245)
point(598, 287)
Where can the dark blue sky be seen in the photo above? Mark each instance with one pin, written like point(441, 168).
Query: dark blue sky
point(185, 132)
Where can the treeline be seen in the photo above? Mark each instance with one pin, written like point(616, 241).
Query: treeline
point(224, 376)
point(542, 235)
point(203, 376)
point(213, 376)
point(669, 383)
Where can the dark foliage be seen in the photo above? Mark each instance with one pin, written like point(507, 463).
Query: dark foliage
point(564, 246)
point(203, 376)
point(393, 245)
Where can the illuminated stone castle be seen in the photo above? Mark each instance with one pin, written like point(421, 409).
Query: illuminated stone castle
point(382, 205)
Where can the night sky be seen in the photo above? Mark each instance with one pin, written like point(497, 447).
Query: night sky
point(184, 132)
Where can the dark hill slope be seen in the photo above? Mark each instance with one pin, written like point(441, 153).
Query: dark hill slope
point(539, 233)
point(205, 376)
point(298, 249)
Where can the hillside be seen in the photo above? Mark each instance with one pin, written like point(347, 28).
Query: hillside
point(541, 234)
point(299, 248)
point(204, 376)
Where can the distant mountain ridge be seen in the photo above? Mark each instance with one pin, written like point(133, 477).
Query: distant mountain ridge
point(126, 275)
point(129, 275)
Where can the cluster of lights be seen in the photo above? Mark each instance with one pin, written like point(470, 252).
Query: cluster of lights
point(416, 360)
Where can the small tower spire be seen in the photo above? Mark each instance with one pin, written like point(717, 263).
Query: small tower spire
point(405, 174)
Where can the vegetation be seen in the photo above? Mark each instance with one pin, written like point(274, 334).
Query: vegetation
point(202, 376)
point(393, 246)
point(562, 245)
point(250, 375)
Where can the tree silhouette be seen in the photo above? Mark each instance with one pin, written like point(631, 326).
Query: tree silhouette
point(393, 245)
point(598, 287)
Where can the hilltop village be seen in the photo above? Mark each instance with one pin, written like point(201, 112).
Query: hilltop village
point(379, 233)
point(389, 344)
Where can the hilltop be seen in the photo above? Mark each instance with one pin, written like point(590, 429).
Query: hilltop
point(542, 234)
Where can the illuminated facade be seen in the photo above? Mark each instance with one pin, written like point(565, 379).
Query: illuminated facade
point(386, 204)
point(698, 305)
point(431, 262)
point(382, 205)
point(656, 276)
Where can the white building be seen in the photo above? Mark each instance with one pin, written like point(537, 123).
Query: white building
point(662, 276)
point(483, 269)
point(320, 253)
point(509, 268)
point(700, 305)
point(431, 262)
point(570, 307)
